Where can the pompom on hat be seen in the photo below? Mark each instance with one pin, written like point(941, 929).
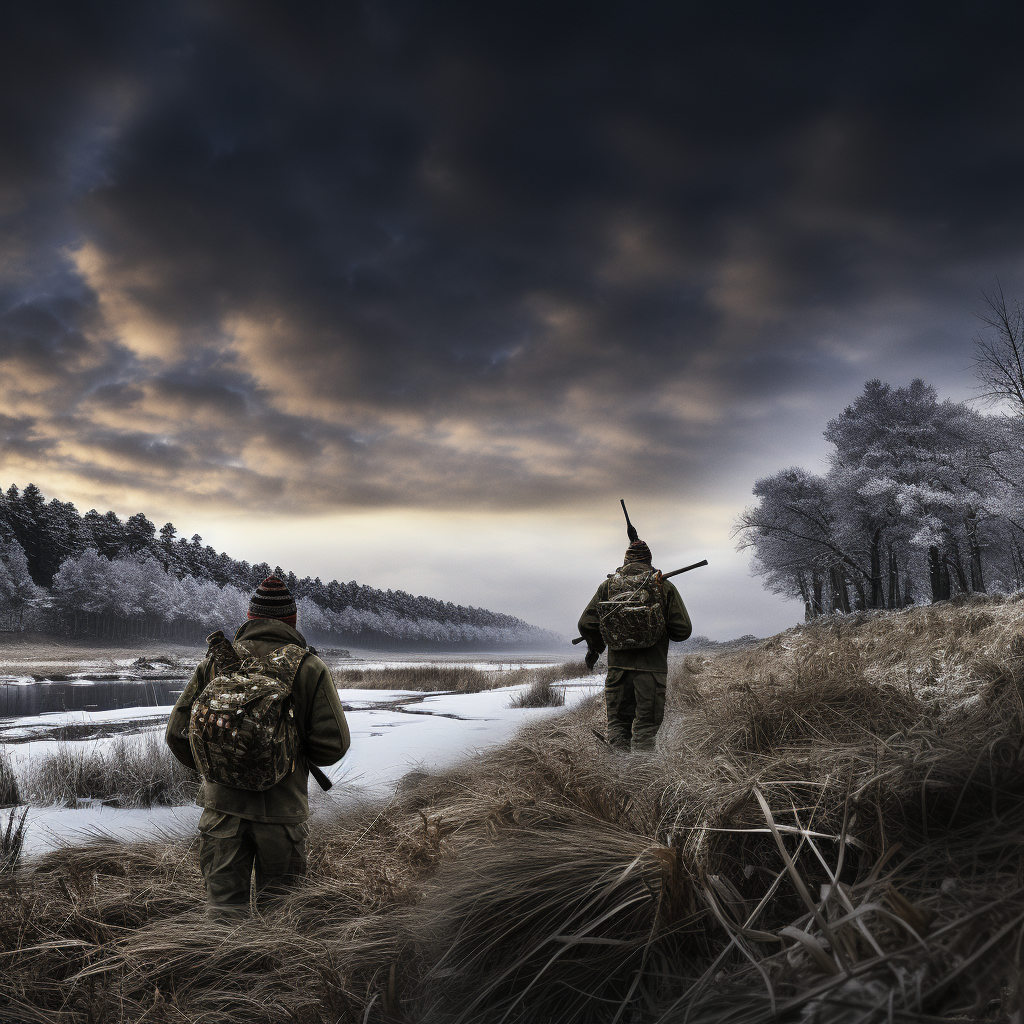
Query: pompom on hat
point(273, 600)
point(638, 551)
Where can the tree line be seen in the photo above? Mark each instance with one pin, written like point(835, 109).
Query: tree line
point(923, 499)
point(96, 574)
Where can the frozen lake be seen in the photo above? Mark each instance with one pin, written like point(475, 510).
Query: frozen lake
point(86, 699)
point(393, 732)
point(122, 688)
point(21, 698)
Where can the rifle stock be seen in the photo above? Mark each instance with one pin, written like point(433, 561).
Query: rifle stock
point(321, 779)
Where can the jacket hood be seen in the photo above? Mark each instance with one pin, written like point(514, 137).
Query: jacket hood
point(635, 568)
point(269, 631)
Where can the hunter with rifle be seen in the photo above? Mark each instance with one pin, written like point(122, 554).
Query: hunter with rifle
point(634, 614)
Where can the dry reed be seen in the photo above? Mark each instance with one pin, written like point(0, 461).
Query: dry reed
point(452, 678)
point(10, 795)
point(540, 694)
point(135, 771)
point(12, 839)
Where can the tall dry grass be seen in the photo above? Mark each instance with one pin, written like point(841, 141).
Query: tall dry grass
point(10, 795)
point(12, 838)
point(134, 771)
point(541, 693)
point(452, 678)
point(832, 829)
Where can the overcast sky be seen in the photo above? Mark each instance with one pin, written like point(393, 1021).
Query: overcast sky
point(412, 293)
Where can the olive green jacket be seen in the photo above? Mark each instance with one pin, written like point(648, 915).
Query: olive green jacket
point(639, 659)
point(323, 731)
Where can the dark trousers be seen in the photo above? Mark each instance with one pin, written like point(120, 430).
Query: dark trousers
point(635, 702)
point(231, 847)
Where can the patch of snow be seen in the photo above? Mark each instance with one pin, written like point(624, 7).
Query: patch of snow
point(56, 718)
point(347, 664)
point(428, 735)
point(18, 729)
point(48, 828)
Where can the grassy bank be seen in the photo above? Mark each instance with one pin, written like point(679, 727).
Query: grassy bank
point(453, 678)
point(57, 658)
point(833, 823)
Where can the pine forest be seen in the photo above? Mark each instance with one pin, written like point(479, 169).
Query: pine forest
point(95, 575)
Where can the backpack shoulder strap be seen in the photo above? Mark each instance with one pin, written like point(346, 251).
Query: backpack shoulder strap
point(628, 595)
point(212, 658)
point(286, 661)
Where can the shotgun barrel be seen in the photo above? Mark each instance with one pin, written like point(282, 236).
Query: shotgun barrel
point(676, 572)
point(630, 528)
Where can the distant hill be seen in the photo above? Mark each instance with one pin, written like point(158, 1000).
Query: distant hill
point(97, 575)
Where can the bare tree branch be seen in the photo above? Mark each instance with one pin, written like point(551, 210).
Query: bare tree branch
point(999, 353)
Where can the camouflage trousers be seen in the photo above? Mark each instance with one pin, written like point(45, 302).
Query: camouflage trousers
point(231, 847)
point(635, 702)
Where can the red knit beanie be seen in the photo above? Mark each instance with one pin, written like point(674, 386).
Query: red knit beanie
point(273, 600)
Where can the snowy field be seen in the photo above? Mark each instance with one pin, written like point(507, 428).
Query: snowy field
point(393, 732)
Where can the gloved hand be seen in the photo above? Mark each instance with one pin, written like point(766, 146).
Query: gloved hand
point(591, 659)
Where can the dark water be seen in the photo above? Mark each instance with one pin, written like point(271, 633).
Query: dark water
point(45, 698)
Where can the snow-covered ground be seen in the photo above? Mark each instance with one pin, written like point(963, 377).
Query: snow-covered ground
point(18, 731)
point(393, 732)
point(481, 666)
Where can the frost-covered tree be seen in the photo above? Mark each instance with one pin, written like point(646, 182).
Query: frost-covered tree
point(911, 473)
point(188, 582)
point(921, 495)
point(104, 532)
point(18, 592)
point(83, 589)
point(793, 533)
point(139, 534)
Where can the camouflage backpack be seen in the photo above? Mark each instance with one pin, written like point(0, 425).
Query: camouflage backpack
point(632, 615)
point(242, 727)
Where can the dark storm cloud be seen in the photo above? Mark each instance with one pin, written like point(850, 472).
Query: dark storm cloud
point(117, 396)
point(499, 255)
point(199, 393)
point(35, 333)
point(137, 449)
point(17, 438)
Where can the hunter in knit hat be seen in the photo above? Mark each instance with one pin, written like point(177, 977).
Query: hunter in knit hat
point(637, 677)
point(266, 829)
point(273, 600)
